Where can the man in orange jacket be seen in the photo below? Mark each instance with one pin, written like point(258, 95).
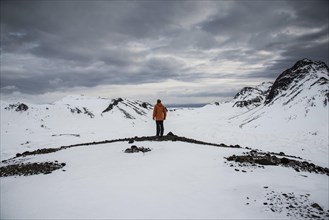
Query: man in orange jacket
point(159, 115)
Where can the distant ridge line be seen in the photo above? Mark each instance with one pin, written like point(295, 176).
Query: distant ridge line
point(194, 105)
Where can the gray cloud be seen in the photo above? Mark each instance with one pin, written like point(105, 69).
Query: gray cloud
point(49, 46)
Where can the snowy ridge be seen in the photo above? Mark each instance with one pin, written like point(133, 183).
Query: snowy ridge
point(300, 92)
point(303, 75)
point(72, 119)
point(134, 107)
point(250, 97)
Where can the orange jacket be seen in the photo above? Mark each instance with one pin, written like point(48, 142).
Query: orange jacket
point(159, 112)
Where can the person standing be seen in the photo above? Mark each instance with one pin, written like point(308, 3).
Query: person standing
point(159, 115)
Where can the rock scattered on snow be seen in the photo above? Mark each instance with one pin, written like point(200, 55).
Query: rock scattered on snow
point(39, 151)
point(255, 158)
point(19, 107)
point(295, 206)
point(27, 169)
point(135, 149)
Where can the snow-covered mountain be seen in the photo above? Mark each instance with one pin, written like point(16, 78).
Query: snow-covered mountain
point(251, 97)
point(299, 95)
point(72, 119)
point(297, 98)
point(283, 121)
point(307, 79)
point(306, 82)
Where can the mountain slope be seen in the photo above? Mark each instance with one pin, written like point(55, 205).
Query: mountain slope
point(250, 97)
point(293, 121)
point(68, 121)
point(301, 92)
point(303, 75)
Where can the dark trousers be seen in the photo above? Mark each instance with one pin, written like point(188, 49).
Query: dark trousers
point(160, 128)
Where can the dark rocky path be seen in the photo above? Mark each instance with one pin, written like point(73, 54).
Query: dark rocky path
point(169, 137)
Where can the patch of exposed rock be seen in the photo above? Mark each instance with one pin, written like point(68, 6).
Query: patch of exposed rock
point(293, 205)
point(27, 169)
point(19, 107)
point(255, 158)
point(135, 149)
point(115, 102)
point(39, 151)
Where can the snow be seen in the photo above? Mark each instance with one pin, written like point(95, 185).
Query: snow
point(175, 180)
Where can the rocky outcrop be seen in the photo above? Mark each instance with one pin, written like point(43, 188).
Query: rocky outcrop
point(83, 111)
point(115, 102)
point(251, 97)
point(19, 107)
point(129, 109)
point(291, 79)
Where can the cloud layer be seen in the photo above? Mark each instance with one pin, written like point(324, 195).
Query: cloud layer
point(197, 49)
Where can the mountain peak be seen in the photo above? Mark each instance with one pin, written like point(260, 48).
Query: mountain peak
point(303, 70)
point(251, 97)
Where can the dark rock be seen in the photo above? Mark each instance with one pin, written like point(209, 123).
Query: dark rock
point(26, 169)
point(144, 105)
point(115, 102)
point(317, 206)
point(311, 165)
point(238, 159)
point(131, 141)
point(128, 150)
point(135, 149)
point(18, 107)
point(265, 162)
point(22, 107)
point(285, 160)
point(170, 134)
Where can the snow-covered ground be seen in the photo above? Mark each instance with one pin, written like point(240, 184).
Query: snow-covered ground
point(175, 179)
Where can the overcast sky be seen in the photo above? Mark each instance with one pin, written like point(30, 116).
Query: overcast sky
point(179, 51)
